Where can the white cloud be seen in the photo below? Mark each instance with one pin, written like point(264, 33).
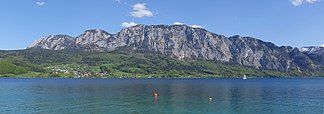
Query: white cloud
point(140, 11)
point(297, 2)
point(39, 3)
point(322, 45)
point(301, 2)
point(128, 24)
point(193, 26)
point(117, 1)
point(196, 26)
point(177, 23)
point(312, 1)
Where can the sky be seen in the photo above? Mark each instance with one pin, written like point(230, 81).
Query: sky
point(294, 23)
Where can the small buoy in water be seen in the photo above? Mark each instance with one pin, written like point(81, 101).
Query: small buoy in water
point(210, 99)
point(155, 94)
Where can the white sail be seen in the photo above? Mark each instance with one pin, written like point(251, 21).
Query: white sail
point(244, 77)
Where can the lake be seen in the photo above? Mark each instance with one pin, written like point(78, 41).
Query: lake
point(258, 96)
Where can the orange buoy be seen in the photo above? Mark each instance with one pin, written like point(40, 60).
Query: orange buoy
point(155, 94)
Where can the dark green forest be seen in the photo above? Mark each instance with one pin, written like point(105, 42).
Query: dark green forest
point(33, 63)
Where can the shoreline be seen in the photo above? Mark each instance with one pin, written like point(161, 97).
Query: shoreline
point(160, 78)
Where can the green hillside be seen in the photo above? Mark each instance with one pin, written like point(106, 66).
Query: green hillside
point(124, 64)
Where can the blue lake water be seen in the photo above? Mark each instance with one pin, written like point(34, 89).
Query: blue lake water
point(257, 96)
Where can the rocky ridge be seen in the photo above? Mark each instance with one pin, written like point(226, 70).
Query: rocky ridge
point(187, 43)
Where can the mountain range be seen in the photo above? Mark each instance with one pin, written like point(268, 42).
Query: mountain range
point(187, 43)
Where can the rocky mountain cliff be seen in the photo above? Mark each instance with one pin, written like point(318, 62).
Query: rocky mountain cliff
point(187, 43)
point(316, 53)
point(313, 49)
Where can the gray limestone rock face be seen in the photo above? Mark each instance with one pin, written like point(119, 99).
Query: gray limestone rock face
point(187, 43)
point(53, 42)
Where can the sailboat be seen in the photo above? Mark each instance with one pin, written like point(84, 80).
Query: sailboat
point(244, 77)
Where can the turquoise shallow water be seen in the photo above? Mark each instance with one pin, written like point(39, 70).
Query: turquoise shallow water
point(251, 96)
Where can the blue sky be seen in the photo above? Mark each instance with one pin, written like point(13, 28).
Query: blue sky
point(284, 22)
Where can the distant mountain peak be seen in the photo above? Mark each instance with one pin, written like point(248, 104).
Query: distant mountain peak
point(315, 52)
point(54, 42)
